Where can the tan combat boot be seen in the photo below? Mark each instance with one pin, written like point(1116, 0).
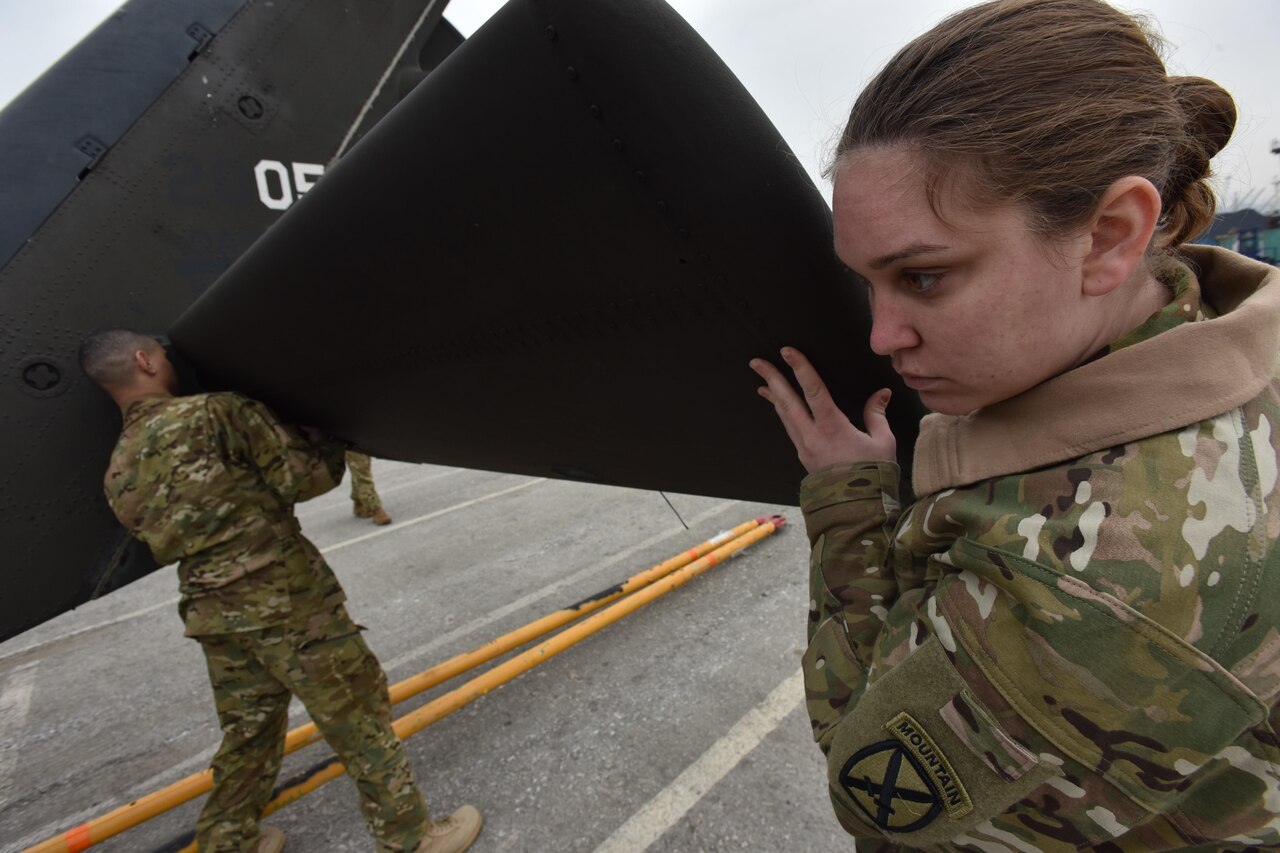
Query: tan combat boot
point(453, 834)
point(361, 511)
point(270, 840)
point(380, 516)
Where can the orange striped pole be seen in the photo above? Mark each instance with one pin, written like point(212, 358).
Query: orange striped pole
point(145, 808)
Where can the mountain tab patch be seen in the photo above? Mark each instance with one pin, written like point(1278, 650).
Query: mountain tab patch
point(931, 760)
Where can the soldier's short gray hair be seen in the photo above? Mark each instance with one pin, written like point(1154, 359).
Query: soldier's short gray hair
point(107, 357)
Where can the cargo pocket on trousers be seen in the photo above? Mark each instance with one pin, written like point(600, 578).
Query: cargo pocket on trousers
point(831, 675)
point(343, 665)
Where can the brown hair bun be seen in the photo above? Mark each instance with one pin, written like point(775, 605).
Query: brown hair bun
point(1210, 119)
point(1210, 111)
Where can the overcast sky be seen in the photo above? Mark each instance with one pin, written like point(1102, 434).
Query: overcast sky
point(806, 60)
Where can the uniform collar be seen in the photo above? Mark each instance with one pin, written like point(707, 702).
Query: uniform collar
point(140, 408)
point(1184, 306)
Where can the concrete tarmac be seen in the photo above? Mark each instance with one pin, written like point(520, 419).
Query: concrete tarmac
point(680, 728)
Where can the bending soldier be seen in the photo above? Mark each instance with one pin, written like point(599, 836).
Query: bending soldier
point(365, 502)
point(210, 481)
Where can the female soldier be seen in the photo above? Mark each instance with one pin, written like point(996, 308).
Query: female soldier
point(1072, 638)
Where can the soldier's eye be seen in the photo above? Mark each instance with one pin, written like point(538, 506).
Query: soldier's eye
point(921, 282)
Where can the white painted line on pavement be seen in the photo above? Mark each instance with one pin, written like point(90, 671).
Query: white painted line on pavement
point(401, 525)
point(673, 802)
point(419, 481)
point(338, 499)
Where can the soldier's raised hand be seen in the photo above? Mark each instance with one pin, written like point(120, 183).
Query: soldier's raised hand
point(821, 432)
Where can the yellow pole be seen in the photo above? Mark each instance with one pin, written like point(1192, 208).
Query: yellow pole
point(139, 811)
point(441, 673)
point(127, 816)
point(445, 705)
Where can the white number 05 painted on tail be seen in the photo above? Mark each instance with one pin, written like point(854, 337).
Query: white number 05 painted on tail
point(278, 188)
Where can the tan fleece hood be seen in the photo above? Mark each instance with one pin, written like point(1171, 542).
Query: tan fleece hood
point(1182, 376)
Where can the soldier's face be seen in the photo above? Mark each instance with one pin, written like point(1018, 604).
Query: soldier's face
point(973, 307)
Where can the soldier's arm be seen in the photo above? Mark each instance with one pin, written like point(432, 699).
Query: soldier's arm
point(291, 465)
point(1009, 700)
point(849, 512)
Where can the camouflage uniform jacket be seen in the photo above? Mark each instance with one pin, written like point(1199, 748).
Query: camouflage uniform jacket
point(1072, 640)
point(210, 481)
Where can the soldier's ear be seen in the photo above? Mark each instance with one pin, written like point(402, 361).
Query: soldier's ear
point(1120, 233)
point(142, 359)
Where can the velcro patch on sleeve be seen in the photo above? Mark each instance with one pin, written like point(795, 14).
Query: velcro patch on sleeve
point(916, 783)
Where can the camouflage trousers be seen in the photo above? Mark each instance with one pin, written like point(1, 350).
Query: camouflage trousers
point(345, 690)
point(363, 494)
